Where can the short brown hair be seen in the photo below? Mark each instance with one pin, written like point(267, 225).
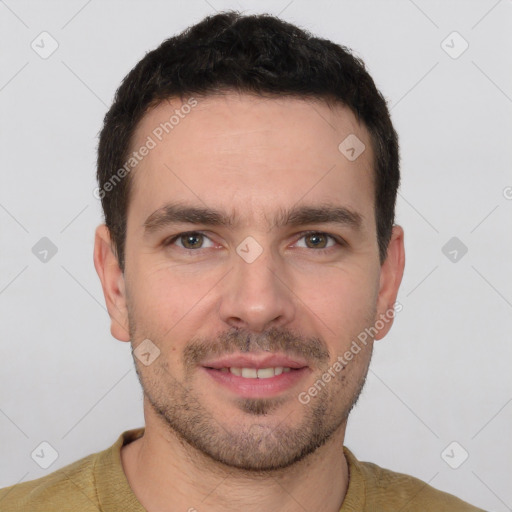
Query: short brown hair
point(257, 54)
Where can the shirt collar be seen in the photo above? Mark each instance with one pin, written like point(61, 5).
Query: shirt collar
point(115, 493)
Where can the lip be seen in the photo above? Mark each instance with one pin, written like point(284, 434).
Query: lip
point(254, 361)
point(258, 388)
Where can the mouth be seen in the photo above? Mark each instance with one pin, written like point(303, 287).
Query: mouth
point(251, 376)
point(256, 373)
point(256, 361)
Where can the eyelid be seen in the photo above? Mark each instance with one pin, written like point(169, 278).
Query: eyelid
point(338, 240)
point(174, 238)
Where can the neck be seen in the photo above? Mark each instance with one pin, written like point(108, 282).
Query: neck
point(167, 474)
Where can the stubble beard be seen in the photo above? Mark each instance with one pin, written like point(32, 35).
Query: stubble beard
point(254, 444)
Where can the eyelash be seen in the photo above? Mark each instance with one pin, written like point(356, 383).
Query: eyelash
point(339, 241)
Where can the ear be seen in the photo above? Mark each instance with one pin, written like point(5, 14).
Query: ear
point(391, 274)
point(112, 282)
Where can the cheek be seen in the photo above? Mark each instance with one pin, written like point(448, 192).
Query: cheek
point(343, 303)
point(163, 294)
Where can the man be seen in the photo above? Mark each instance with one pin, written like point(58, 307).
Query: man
point(248, 173)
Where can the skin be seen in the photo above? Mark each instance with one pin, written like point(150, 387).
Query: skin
point(205, 448)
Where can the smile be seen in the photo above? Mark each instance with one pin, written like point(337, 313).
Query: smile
point(253, 373)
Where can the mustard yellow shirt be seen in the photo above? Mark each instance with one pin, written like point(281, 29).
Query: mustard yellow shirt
point(98, 483)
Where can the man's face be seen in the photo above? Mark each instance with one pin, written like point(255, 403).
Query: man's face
point(281, 278)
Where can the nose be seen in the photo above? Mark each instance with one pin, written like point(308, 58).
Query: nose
point(258, 295)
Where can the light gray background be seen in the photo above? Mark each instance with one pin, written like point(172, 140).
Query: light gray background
point(441, 375)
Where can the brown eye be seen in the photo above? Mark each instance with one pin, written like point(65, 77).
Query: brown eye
point(316, 240)
point(320, 241)
point(192, 240)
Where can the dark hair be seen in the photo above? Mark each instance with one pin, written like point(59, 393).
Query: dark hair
point(256, 54)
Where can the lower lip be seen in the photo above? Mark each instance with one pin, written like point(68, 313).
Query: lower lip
point(258, 388)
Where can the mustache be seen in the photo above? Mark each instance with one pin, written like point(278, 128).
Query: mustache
point(313, 349)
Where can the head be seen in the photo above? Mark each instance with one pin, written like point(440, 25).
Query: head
point(237, 220)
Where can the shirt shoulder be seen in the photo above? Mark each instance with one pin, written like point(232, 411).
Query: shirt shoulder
point(387, 491)
point(71, 488)
point(95, 482)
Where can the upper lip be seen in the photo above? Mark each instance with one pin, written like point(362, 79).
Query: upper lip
point(253, 361)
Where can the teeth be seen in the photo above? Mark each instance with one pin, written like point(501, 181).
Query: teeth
point(253, 373)
point(249, 373)
point(264, 373)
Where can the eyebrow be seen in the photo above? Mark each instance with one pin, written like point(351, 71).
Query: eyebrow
point(175, 213)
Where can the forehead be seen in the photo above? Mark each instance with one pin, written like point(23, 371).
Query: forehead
point(250, 155)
